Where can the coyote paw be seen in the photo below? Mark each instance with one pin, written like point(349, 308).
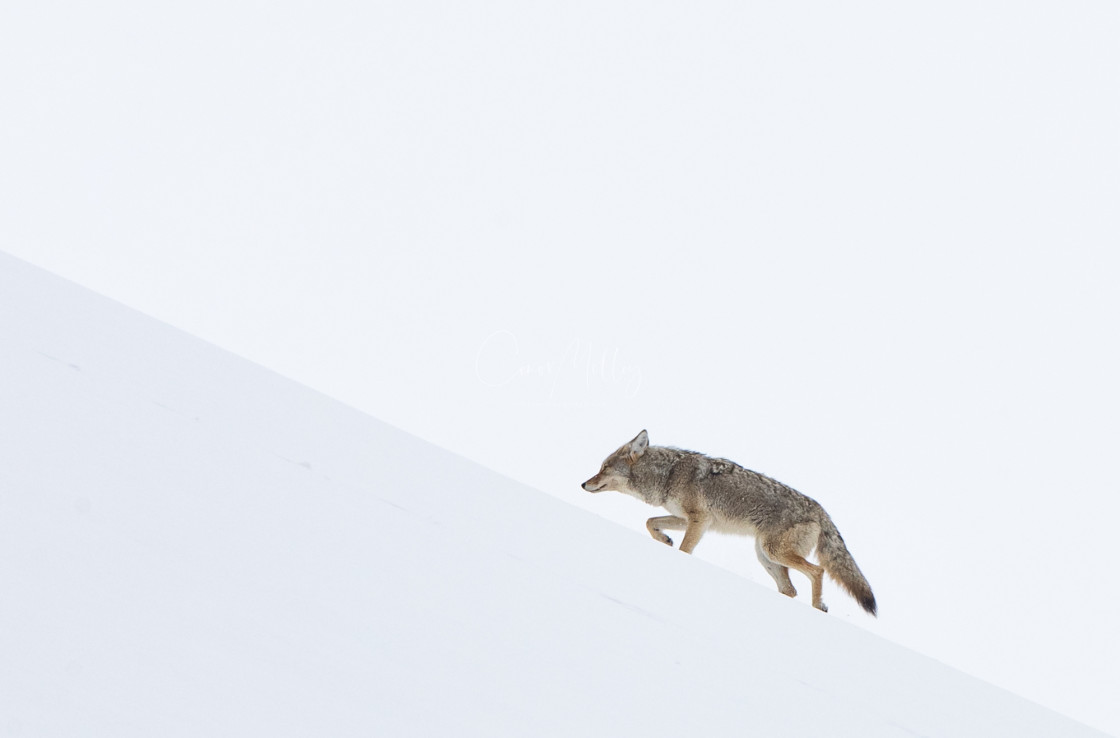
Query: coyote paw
point(822, 607)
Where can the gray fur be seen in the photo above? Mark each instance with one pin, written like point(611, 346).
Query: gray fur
point(704, 492)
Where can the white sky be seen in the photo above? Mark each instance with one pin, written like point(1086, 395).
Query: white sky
point(870, 250)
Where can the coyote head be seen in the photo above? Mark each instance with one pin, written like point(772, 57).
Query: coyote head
point(614, 475)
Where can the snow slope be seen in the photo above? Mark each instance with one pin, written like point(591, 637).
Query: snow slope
point(192, 545)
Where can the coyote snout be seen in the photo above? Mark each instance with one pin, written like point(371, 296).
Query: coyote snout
point(702, 493)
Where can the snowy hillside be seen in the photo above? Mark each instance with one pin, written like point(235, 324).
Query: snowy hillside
point(191, 545)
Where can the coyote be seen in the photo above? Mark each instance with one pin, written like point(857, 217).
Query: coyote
point(705, 493)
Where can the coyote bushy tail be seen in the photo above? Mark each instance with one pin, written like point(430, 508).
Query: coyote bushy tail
point(840, 565)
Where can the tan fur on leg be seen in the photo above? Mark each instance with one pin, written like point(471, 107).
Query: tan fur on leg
point(665, 522)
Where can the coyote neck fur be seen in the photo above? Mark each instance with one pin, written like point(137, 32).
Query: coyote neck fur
point(651, 474)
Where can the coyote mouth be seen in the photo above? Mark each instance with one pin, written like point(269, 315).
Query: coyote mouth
point(593, 489)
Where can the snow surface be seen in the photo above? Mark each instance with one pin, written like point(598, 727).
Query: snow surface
point(193, 545)
point(867, 248)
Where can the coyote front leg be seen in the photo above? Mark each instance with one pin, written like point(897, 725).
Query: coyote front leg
point(665, 522)
point(696, 527)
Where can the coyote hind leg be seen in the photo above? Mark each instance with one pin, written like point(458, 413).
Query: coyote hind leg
point(788, 549)
point(777, 571)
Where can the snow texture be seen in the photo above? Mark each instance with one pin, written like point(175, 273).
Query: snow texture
point(192, 545)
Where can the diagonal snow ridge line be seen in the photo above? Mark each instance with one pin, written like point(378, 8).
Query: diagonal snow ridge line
point(177, 577)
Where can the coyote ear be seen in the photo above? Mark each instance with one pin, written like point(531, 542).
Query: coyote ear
point(638, 446)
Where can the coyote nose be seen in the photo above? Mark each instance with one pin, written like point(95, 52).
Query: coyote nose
point(584, 485)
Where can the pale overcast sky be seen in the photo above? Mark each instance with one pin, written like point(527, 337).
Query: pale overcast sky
point(870, 250)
